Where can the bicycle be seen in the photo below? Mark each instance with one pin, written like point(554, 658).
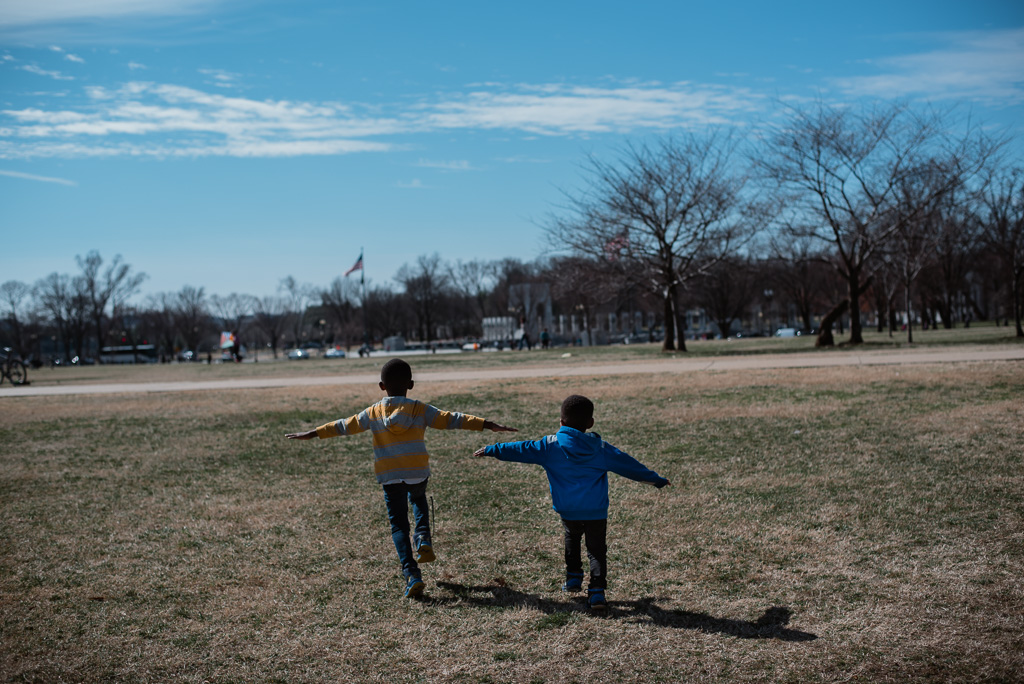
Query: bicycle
point(12, 368)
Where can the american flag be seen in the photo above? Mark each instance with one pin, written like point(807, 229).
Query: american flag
point(358, 266)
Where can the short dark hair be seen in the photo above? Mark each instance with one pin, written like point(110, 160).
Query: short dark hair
point(396, 373)
point(577, 411)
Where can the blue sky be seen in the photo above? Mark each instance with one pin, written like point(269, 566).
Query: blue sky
point(228, 144)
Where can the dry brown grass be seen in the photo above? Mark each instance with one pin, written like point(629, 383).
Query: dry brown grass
point(851, 524)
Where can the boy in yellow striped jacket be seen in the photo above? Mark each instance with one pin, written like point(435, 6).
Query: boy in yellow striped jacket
point(401, 461)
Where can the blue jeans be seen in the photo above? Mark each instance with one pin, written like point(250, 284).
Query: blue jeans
point(397, 498)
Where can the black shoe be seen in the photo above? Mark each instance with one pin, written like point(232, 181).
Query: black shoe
point(573, 582)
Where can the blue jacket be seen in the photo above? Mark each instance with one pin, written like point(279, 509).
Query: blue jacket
point(577, 464)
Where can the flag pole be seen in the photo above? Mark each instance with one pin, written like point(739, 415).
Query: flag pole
point(362, 281)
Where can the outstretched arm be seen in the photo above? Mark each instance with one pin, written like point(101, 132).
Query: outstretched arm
point(336, 428)
point(497, 427)
point(519, 452)
point(621, 463)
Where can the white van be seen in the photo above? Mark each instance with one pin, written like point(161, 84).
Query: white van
point(786, 332)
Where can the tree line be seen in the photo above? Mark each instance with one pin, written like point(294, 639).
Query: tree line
point(831, 217)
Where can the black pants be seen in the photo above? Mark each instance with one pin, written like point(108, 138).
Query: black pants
point(595, 532)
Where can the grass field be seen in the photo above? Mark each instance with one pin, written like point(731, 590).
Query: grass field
point(847, 524)
point(980, 336)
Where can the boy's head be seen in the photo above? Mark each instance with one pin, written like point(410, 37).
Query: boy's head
point(578, 412)
point(396, 378)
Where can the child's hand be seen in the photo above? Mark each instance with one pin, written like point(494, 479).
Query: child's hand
point(497, 427)
point(310, 434)
point(482, 451)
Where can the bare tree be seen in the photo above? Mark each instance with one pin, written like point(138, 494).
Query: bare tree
point(13, 296)
point(340, 301)
point(507, 273)
point(270, 317)
point(232, 311)
point(801, 271)
point(845, 168)
point(912, 245)
point(885, 288)
point(1002, 220)
point(191, 316)
point(725, 292)
point(159, 316)
point(670, 212)
point(386, 312)
point(426, 285)
point(296, 299)
point(112, 286)
point(955, 255)
point(65, 299)
point(473, 281)
point(581, 284)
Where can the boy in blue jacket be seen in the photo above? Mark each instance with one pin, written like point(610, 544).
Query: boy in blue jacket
point(577, 465)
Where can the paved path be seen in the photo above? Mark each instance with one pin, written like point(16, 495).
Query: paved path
point(666, 366)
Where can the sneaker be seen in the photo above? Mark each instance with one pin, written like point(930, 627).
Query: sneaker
point(596, 601)
point(415, 587)
point(573, 582)
point(425, 554)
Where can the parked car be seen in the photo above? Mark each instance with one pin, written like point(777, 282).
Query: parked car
point(786, 332)
point(296, 354)
point(334, 353)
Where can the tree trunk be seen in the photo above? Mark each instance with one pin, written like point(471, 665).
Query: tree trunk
point(825, 338)
point(669, 343)
point(947, 312)
point(855, 291)
point(910, 321)
point(1018, 301)
point(891, 315)
point(680, 320)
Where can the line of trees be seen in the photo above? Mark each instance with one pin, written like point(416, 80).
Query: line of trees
point(883, 213)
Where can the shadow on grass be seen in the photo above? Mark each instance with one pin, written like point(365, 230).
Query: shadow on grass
point(771, 625)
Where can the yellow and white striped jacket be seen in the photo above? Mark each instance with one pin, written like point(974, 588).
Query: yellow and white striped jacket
point(398, 424)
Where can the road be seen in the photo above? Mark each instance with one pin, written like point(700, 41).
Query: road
point(666, 366)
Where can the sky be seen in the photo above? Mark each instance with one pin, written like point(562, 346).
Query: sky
point(229, 144)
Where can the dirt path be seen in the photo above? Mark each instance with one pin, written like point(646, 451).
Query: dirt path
point(684, 365)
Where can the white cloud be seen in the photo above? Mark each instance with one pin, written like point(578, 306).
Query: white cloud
point(559, 110)
point(981, 65)
point(520, 159)
point(74, 58)
point(146, 119)
point(162, 120)
point(220, 78)
point(414, 184)
point(42, 179)
point(454, 165)
point(56, 75)
point(29, 12)
point(135, 66)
